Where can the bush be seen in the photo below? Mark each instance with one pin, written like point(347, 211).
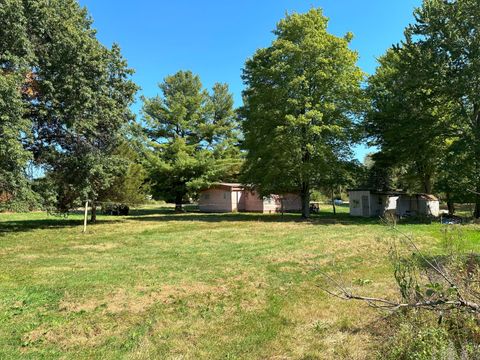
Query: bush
point(437, 331)
point(420, 336)
point(116, 209)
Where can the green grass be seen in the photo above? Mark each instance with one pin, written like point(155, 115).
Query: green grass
point(158, 285)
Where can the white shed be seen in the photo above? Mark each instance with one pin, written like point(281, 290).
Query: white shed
point(369, 203)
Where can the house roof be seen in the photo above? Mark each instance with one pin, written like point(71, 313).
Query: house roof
point(226, 186)
point(423, 196)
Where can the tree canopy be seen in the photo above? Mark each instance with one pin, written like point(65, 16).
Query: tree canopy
point(425, 112)
point(68, 97)
point(193, 137)
point(302, 95)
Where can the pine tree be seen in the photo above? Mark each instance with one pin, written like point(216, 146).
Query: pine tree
point(192, 135)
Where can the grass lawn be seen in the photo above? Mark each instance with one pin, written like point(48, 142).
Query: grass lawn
point(158, 285)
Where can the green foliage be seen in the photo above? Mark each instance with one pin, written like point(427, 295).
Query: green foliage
point(425, 113)
point(413, 342)
point(65, 99)
point(302, 93)
point(407, 119)
point(443, 329)
point(193, 137)
point(131, 187)
point(15, 52)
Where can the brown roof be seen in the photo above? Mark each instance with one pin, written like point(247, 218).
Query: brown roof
point(428, 197)
point(226, 186)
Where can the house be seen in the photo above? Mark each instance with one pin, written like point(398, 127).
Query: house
point(368, 203)
point(233, 197)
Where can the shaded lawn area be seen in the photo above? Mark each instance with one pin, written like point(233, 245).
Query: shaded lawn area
point(195, 286)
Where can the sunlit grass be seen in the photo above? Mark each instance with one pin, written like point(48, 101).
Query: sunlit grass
point(158, 285)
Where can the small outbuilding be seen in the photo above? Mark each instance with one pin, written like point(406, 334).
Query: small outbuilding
point(370, 203)
point(234, 197)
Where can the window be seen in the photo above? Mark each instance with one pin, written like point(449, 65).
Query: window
point(206, 196)
point(355, 204)
point(225, 195)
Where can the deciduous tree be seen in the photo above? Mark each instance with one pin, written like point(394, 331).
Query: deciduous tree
point(301, 97)
point(67, 90)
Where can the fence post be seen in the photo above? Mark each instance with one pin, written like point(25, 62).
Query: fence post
point(85, 217)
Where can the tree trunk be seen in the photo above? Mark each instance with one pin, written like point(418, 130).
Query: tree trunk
point(333, 204)
point(450, 205)
point(427, 184)
point(93, 218)
point(476, 112)
point(179, 202)
point(305, 196)
point(476, 213)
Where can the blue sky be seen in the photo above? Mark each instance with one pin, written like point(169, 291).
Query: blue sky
point(213, 38)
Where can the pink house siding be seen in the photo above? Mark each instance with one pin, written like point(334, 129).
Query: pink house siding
point(292, 202)
point(216, 200)
point(226, 197)
point(253, 202)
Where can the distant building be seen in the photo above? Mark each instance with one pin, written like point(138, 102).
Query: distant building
point(369, 203)
point(233, 197)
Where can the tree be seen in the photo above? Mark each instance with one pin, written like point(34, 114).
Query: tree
point(81, 101)
point(192, 135)
point(131, 187)
point(15, 126)
point(301, 96)
point(407, 120)
point(337, 177)
point(425, 100)
point(64, 100)
point(452, 29)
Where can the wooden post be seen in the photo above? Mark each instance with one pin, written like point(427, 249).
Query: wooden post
point(85, 217)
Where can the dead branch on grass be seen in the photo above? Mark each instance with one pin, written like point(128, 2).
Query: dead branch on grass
point(459, 292)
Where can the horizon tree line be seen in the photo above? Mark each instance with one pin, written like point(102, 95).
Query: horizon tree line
point(65, 109)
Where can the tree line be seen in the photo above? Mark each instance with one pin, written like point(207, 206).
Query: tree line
point(65, 114)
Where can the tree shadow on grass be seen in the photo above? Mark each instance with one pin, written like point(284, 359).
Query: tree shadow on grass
point(18, 226)
point(167, 215)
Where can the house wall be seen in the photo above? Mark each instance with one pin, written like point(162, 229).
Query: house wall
point(217, 200)
point(292, 202)
point(238, 200)
point(271, 204)
point(223, 200)
point(414, 205)
point(253, 202)
point(404, 206)
point(378, 204)
point(355, 200)
point(433, 207)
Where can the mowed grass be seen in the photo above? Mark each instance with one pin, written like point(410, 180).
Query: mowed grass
point(158, 285)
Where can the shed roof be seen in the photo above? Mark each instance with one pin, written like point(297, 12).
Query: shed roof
point(226, 186)
point(423, 196)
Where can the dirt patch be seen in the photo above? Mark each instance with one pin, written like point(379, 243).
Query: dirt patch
point(72, 334)
point(299, 258)
point(28, 257)
point(142, 299)
point(96, 247)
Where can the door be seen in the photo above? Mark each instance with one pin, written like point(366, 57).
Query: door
point(365, 206)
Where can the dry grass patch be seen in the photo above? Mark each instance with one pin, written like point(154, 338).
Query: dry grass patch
point(96, 247)
point(140, 300)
